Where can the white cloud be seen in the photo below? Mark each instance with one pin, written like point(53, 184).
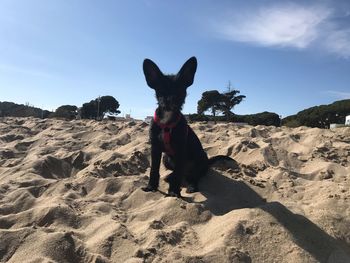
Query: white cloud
point(285, 26)
point(288, 25)
point(338, 42)
point(339, 94)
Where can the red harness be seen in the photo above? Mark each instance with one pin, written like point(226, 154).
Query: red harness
point(166, 132)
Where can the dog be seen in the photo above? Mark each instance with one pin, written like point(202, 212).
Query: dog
point(170, 134)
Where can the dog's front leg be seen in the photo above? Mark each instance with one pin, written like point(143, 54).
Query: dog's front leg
point(153, 182)
point(178, 175)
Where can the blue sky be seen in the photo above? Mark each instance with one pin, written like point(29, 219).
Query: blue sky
point(283, 55)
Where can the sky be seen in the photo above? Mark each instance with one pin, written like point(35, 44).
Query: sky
point(284, 56)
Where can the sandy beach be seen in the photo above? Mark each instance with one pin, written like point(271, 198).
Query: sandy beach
point(70, 192)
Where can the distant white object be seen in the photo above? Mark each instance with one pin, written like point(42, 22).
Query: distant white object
point(347, 120)
point(335, 125)
point(148, 119)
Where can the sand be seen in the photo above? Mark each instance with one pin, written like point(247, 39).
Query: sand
point(70, 192)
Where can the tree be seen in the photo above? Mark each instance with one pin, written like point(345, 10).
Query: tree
point(108, 104)
point(263, 118)
point(99, 107)
point(66, 111)
point(320, 116)
point(230, 100)
point(20, 110)
point(219, 102)
point(210, 100)
point(89, 110)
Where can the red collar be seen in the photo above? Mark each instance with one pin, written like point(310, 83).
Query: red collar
point(166, 132)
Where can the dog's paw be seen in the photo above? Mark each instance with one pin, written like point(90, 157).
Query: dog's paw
point(149, 188)
point(191, 189)
point(174, 194)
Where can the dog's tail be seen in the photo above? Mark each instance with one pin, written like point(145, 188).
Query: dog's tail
point(216, 158)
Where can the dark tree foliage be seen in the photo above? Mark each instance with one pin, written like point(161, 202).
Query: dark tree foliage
point(108, 104)
point(65, 111)
point(320, 116)
point(230, 100)
point(20, 110)
point(263, 118)
point(216, 102)
point(99, 107)
point(89, 110)
point(210, 100)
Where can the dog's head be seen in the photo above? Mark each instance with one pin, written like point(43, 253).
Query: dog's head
point(170, 89)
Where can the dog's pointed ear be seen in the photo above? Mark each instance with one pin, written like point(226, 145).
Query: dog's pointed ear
point(186, 73)
point(152, 73)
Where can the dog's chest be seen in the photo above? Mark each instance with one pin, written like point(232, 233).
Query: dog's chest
point(170, 131)
point(166, 139)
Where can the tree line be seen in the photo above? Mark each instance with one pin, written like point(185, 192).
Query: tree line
point(21, 110)
point(320, 116)
point(262, 118)
point(218, 104)
point(316, 117)
point(94, 109)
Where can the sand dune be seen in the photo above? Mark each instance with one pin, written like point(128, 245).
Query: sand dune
point(70, 192)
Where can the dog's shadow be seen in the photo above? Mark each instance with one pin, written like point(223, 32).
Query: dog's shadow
point(224, 195)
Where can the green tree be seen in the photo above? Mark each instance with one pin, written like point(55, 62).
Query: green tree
point(262, 118)
point(20, 110)
point(230, 100)
point(66, 111)
point(89, 110)
point(211, 100)
point(108, 104)
point(215, 101)
point(320, 116)
point(99, 107)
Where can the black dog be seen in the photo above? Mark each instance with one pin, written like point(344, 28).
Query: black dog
point(170, 133)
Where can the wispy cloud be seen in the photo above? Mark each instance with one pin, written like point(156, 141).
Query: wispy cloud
point(338, 42)
point(287, 25)
point(339, 94)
